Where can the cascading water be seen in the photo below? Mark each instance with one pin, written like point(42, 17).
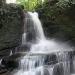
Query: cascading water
point(32, 29)
point(38, 61)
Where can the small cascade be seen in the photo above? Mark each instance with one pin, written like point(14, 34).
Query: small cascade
point(0, 61)
point(31, 62)
point(37, 26)
point(10, 53)
point(40, 60)
point(23, 38)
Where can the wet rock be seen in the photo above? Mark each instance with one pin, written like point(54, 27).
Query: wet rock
point(31, 32)
point(58, 69)
point(23, 48)
point(50, 59)
point(11, 24)
point(5, 52)
point(11, 62)
point(46, 72)
point(38, 73)
point(3, 70)
point(72, 59)
point(43, 71)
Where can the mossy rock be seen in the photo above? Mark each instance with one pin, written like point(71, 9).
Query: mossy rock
point(11, 26)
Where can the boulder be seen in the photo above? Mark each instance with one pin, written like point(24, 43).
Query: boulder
point(11, 27)
point(11, 62)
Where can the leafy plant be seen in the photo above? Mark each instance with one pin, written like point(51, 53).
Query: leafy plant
point(29, 4)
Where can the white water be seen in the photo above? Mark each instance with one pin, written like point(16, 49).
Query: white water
point(10, 1)
point(34, 64)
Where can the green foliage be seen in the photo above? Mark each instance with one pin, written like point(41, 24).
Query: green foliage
point(58, 18)
point(29, 4)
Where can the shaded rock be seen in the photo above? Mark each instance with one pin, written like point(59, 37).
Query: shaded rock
point(11, 24)
point(3, 70)
point(71, 59)
point(43, 71)
point(10, 65)
point(5, 52)
point(46, 72)
point(23, 48)
point(11, 62)
point(58, 69)
point(50, 59)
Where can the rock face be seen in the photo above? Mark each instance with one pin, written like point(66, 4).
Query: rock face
point(11, 24)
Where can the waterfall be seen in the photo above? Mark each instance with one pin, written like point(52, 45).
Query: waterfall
point(10, 1)
point(44, 57)
point(33, 30)
point(37, 25)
